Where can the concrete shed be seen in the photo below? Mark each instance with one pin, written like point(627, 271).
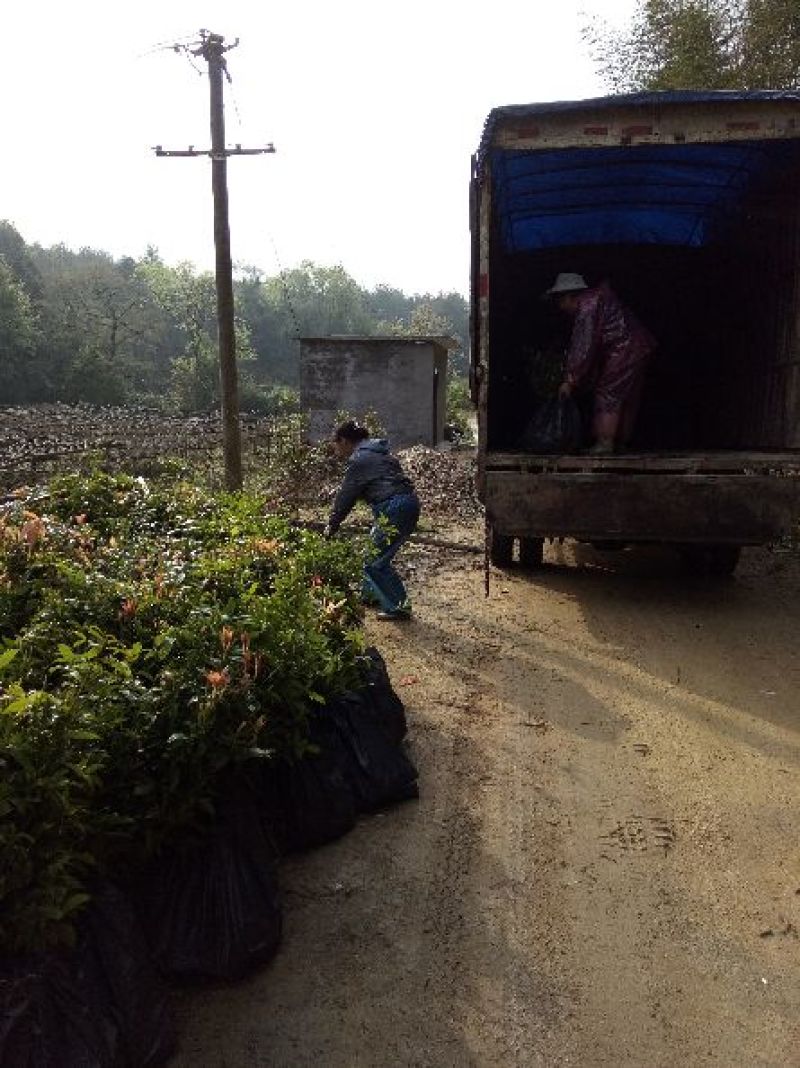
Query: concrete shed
point(402, 379)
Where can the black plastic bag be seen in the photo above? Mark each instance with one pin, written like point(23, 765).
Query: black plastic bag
point(54, 1010)
point(211, 908)
point(139, 999)
point(99, 1005)
point(380, 695)
point(378, 769)
point(308, 802)
point(556, 427)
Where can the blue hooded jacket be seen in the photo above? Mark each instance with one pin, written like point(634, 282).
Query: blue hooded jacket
point(373, 475)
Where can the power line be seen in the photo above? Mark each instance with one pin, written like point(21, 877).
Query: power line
point(287, 296)
point(170, 45)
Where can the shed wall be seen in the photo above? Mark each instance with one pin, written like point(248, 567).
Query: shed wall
point(396, 380)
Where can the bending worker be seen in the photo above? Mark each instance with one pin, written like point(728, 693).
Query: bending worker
point(608, 354)
point(375, 476)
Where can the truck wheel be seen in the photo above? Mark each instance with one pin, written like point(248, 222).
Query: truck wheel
point(711, 561)
point(531, 552)
point(501, 549)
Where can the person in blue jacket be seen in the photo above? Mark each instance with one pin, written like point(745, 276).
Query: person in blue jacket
point(375, 476)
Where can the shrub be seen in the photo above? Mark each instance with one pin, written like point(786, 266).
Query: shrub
point(261, 399)
point(460, 412)
point(152, 639)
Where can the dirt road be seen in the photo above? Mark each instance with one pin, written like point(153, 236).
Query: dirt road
point(604, 866)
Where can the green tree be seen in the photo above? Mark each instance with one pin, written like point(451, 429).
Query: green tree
point(18, 331)
point(97, 338)
point(428, 317)
point(92, 378)
point(18, 257)
point(269, 323)
point(386, 304)
point(189, 299)
point(309, 300)
point(320, 300)
point(770, 44)
point(702, 44)
point(424, 321)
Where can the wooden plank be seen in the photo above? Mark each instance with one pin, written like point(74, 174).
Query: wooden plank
point(743, 463)
point(666, 508)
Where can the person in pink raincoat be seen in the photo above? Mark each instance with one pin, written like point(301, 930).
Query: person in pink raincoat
point(608, 354)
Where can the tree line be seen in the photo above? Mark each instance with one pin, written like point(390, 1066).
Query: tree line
point(82, 326)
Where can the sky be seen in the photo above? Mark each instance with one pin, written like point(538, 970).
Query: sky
point(374, 110)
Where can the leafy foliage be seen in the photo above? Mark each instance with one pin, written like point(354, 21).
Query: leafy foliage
point(427, 320)
point(430, 319)
point(702, 44)
point(460, 409)
point(151, 639)
point(18, 329)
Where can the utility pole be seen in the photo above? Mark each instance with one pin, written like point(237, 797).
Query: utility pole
point(212, 49)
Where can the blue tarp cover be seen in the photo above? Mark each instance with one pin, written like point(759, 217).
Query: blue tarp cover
point(655, 194)
point(643, 194)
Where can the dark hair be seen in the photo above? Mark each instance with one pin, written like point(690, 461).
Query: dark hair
point(351, 431)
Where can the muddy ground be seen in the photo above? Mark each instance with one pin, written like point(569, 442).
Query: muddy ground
point(604, 864)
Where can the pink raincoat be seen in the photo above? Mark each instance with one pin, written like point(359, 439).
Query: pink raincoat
point(608, 351)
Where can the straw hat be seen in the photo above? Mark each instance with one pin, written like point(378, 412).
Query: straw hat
point(566, 283)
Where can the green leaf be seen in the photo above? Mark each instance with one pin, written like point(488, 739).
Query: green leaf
point(6, 657)
point(20, 704)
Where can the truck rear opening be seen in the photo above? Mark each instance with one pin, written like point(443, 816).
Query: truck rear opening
point(689, 205)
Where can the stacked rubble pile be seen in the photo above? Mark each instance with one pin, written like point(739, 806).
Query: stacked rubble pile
point(445, 481)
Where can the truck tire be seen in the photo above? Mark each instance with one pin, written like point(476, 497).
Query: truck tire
point(501, 549)
point(711, 561)
point(531, 552)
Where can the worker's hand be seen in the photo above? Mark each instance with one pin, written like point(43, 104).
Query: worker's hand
point(326, 531)
point(565, 390)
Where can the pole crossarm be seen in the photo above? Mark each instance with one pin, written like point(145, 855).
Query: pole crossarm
point(237, 150)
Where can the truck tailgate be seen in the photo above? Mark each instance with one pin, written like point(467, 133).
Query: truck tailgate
point(742, 498)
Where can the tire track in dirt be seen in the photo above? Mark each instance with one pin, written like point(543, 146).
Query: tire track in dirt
point(507, 1003)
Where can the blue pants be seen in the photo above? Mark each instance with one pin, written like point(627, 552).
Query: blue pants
point(381, 582)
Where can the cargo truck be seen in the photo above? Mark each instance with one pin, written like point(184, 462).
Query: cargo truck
point(688, 204)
